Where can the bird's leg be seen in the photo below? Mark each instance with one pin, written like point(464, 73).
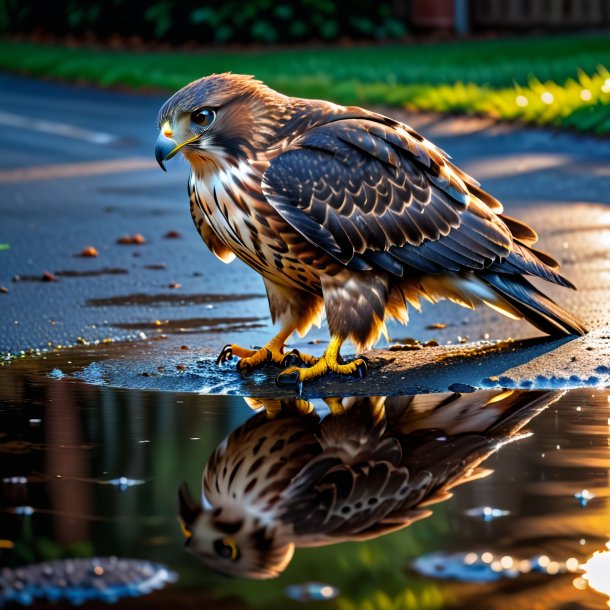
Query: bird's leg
point(271, 352)
point(330, 361)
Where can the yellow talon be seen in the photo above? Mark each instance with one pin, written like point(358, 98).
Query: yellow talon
point(271, 352)
point(330, 361)
point(257, 359)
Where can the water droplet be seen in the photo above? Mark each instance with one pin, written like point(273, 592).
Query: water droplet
point(311, 591)
point(123, 482)
point(584, 497)
point(486, 513)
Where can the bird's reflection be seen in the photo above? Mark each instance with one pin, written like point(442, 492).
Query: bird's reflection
point(292, 476)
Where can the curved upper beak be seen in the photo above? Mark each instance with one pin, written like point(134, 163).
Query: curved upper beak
point(165, 149)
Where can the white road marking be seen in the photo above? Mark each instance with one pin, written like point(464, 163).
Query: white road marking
point(72, 170)
point(57, 129)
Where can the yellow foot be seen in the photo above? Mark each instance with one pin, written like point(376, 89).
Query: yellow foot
point(294, 376)
point(295, 357)
point(270, 353)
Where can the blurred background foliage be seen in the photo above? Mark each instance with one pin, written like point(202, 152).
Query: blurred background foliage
point(348, 51)
point(559, 81)
point(206, 21)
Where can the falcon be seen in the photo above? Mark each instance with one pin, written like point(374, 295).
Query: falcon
point(368, 469)
point(347, 213)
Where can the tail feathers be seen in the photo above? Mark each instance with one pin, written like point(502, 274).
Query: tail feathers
point(534, 306)
point(532, 262)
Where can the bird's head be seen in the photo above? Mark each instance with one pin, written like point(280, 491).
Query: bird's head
point(222, 116)
point(232, 542)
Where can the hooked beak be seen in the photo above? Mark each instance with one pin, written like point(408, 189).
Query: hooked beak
point(165, 149)
point(189, 510)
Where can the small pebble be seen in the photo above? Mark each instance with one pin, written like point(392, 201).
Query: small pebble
point(181, 367)
point(47, 276)
point(431, 343)
point(4, 290)
point(89, 252)
point(398, 347)
point(173, 235)
point(131, 240)
point(436, 326)
point(461, 388)
point(174, 285)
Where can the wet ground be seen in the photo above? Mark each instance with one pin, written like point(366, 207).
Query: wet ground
point(81, 174)
point(110, 398)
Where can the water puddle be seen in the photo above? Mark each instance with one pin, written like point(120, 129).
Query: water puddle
point(429, 501)
point(169, 298)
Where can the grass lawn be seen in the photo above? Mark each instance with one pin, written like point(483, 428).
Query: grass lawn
point(558, 81)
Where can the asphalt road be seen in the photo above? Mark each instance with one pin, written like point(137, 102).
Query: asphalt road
point(77, 170)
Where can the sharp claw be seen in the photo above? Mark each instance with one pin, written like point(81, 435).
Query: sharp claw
point(225, 354)
point(243, 367)
point(290, 380)
point(269, 355)
point(292, 358)
point(361, 369)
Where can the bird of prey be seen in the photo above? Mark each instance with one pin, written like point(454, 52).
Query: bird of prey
point(345, 212)
point(370, 468)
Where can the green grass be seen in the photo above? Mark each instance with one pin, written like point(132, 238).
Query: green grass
point(506, 79)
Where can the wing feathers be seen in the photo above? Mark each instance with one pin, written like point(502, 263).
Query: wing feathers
point(373, 194)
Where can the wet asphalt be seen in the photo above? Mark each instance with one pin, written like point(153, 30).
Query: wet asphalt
point(77, 170)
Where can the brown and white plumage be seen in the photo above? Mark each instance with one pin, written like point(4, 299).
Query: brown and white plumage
point(349, 212)
point(299, 480)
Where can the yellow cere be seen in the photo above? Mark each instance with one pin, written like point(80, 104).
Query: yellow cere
point(166, 130)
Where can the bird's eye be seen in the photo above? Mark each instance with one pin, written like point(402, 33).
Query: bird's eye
point(204, 117)
point(227, 549)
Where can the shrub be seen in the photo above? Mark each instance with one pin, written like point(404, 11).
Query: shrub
point(206, 21)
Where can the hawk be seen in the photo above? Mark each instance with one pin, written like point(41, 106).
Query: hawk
point(370, 468)
point(345, 212)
